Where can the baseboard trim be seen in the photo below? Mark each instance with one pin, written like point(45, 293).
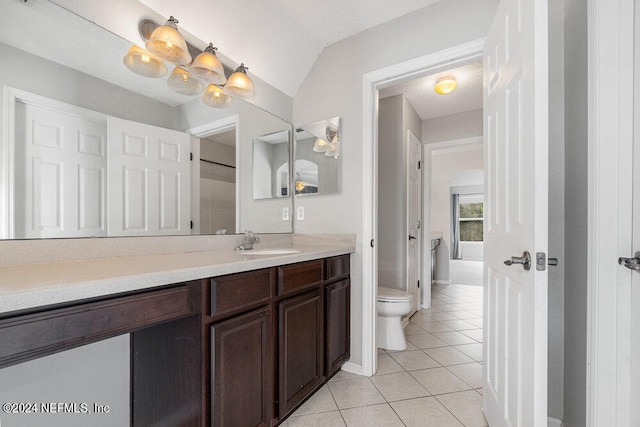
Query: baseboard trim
point(554, 422)
point(442, 282)
point(352, 368)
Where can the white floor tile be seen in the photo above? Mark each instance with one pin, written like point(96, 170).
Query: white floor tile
point(439, 381)
point(398, 386)
point(353, 393)
point(424, 412)
point(377, 415)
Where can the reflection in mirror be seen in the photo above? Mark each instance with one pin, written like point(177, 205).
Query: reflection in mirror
point(55, 69)
point(317, 153)
point(271, 165)
point(218, 183)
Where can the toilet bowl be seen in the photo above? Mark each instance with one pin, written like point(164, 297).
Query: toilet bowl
point(391, 305)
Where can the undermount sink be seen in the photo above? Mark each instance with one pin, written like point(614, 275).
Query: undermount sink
point(270, 252)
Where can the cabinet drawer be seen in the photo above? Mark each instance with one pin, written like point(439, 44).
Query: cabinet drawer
point(239, 291)
point(299, 276)
point(338, 266)
point(36, 335)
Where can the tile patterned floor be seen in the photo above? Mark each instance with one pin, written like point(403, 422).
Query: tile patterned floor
point(436, 381)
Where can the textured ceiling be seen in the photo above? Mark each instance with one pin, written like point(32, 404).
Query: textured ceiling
point(428, 104)
point(279, 40)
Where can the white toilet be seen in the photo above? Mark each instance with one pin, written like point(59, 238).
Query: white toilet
point(392, 304)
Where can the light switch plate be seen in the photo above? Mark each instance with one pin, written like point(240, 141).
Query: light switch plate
point(300, 213)
point(285, 214)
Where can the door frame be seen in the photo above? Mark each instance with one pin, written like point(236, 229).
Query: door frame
point(411, 138)
point(610, 148)
point(203, 131)
point(371, 83)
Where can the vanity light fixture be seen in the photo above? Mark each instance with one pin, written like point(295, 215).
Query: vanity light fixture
point(300, 186)
point(207, 66)
point(144, 63)
point(240, 84)
point(214, 96)
point(446, 85)
point(167, 43)
point(164, 42)
point(184, 83)
point(320, 146)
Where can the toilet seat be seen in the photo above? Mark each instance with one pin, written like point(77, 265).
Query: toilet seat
point(390, 295)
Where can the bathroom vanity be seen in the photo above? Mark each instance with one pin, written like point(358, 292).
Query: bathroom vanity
point(244, 344)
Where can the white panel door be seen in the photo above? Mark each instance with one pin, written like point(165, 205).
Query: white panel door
point(414, 218)
point(149, 176)
point(516, 217)
point(60, 174)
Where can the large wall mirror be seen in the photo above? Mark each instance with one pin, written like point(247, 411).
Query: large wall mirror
point(317, 164)
point(59, 111)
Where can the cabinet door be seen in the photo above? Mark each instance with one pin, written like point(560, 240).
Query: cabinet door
point(242, 367)
point(338, 324)
point(301, 348)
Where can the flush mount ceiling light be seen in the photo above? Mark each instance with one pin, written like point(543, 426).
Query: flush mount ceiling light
point(446, 85)
point(165, 43)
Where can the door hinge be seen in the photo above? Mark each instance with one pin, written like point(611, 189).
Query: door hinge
point(419, 164)
point(418, 284)
point(371, 242)
point(191, 156)
point(191, 224)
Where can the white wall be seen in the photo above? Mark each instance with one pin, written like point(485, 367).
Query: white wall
point(453, 126)
point(445, 165)
point(333, 88)
point(47, 78)
point(395, 117)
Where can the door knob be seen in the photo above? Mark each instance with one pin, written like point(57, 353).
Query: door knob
point(524, 260)
point(412, 237)
point(631, 263)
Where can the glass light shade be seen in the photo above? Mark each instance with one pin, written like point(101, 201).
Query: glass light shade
point(184, 83)
point(446, 85)
point(320, 146)
point(300, 186)
point(214, 96)
point(239, 83)
point(208, 67)
point(167, 43)
point(332, 150)
point(144, 63)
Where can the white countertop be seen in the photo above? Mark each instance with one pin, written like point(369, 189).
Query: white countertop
point(34, 285)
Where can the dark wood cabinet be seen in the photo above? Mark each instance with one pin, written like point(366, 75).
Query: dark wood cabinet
point(243, 349)
point(242, 372)
point(337, 321)
point(301, 325)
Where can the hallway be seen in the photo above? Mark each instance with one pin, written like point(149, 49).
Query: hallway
point(436, 382)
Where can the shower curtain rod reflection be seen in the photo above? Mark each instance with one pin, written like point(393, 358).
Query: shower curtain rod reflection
point(216, 163)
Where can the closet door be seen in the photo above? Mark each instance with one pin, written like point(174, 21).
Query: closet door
point(148, 180)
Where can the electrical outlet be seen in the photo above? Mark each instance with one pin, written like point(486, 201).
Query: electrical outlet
point(285, 214)
point(300, 213)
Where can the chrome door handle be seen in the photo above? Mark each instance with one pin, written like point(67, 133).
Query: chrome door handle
point(631, 263)
point(524, 260)
point(412, 237)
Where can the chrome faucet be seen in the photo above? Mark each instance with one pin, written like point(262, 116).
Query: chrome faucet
point(249, 240)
